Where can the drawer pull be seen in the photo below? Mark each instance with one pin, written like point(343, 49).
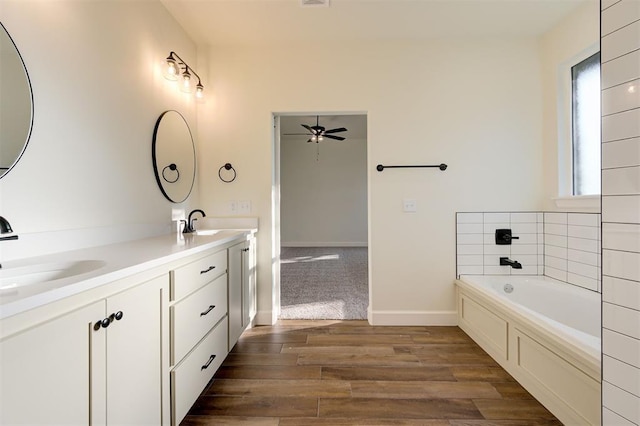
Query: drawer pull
point(210, 268)
point(207, 311)
point(211, 358)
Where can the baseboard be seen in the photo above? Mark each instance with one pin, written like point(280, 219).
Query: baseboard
point(412, 318)
point(324, 244)
point(265, 318)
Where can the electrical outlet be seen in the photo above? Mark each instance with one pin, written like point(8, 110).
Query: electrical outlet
point(244, 207)
point(409, 205)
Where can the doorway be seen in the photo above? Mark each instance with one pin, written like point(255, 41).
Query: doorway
point(322, 222)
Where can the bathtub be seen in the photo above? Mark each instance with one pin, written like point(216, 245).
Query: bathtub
point(544, 332)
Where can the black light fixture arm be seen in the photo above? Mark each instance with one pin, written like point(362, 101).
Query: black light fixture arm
point(441, 166)
point(173, 55)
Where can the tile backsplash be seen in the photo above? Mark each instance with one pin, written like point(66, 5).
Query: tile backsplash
point(564, 246)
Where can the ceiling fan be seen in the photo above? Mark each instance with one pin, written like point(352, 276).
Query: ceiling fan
point(317, 133)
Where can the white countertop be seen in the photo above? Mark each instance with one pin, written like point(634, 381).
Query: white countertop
point(114, 262)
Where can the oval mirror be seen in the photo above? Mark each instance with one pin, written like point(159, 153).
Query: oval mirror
point(16, 104)
point(174, 156)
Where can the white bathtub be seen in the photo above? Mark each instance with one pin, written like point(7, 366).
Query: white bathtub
point(544, 332)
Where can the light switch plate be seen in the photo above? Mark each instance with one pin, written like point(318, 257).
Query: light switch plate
point(233, 207)
point(410, 205)
point(244, 206)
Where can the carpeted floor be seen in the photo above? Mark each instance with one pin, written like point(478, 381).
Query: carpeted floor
point(324, 283)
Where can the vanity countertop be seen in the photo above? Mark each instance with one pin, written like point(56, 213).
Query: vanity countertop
point(114, 262)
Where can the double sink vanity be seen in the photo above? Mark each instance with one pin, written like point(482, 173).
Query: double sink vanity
point(128, 333)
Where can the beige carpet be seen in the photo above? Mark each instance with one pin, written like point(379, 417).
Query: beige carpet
point(324, 283)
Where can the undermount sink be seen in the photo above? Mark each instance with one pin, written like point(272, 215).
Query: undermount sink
point(19, 276)
point(207, 231)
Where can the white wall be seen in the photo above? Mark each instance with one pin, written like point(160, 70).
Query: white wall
point(473, 104)
point(323, 190)
point(86, 177)
point(621, 212)
point(569, 41)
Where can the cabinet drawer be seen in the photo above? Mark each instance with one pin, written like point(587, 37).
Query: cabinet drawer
point(191, 376)
point(194, 316)
point(188, 278)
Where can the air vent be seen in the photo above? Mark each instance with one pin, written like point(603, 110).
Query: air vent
point(314, 3)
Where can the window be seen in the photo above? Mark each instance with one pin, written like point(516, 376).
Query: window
point(585, 125)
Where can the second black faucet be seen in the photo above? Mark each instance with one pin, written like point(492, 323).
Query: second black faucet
point(188, 226)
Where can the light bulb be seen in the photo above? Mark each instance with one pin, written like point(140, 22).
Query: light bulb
point(186, 84)
point(320, 138)
point(199, 91)
point(172, 70)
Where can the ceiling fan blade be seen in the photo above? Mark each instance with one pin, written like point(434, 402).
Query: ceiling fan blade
point(338, 138)
point(311, 140)
point(309, 128)
point(339, 129)
point(296, 134)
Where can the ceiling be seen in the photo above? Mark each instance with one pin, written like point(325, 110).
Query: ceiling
point(356, 125)
point(267, 22)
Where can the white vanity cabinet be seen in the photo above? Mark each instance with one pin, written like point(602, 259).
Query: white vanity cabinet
point(99, 364)
point(198, 327)
point(242, 287)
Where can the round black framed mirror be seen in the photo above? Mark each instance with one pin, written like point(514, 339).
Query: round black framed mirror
point(174, 156)
point(16, 104)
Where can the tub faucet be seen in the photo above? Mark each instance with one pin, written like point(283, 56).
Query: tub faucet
point(188, 226)
point(505, 261)
point(5, 228)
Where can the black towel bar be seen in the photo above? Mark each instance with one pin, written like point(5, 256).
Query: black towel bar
point(380, 167)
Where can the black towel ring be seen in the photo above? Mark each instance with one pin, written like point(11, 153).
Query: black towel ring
point(227, 166)
point(171, 167)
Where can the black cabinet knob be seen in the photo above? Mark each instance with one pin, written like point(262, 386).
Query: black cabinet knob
point(119, 315)
point(105, 322)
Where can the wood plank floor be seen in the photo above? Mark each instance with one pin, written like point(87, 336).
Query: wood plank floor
point(350, 373)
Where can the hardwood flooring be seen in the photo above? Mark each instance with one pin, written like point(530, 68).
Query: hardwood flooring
point(335, 373)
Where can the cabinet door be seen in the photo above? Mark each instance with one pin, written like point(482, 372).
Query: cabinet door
point(236, 326)
point(45, 371)
point(249, 281)
point(135, 354)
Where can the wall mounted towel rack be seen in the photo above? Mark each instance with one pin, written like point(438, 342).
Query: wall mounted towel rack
point(442, 167)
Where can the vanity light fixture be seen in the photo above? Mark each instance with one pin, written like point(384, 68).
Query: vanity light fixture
point(178, 69)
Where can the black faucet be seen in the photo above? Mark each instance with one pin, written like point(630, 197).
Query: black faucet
point(505, 261)
point(188, 226)
point(5, 228)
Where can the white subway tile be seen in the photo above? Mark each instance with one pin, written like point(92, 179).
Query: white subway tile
point(583, 244)
point(489, 239)
point(585, 282)
point(526, 270)
point(583, 257)
point(555, 240)
point(621, 402)
point(524, 228)
point(469, 218)
point(622, 153)
point(621, 264)
point(588, 271)
point(469, 228)
point(524, 249)
point(557, 252)
point(614, 419)
point(623, 375)
point(490, 228)
point(621, 319)
point(470, 260)
point(621, 98)
point(584, 219)
point(492, 260)
point(470, 270)
point(621, 236)
point(469, 238)
point(621, 42)
point(622, 181)
point(495, 249)
point(555, 229)
point(619, 15)
point(559, 218)
point(624, 125)
point(540, 217)
point(526, 259)
point(621, 347)
point(469, 249)
point(540, 228)
point(556, 263)
point(540, 268)
point(524, 239)
point(621, 292)
point(555, 273)
point(497, 218)
point(588, 232)
point(621, 209)
point(621, 70)
point(496, 270)
point(524, 218)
